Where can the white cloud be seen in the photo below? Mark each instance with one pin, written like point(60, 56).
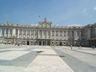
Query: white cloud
point(94, 8)
point(34, 24)
point(74, 25)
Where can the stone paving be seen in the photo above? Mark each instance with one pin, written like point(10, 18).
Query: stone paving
point(81, 49)
point(31, 59)
point(47, 59)
point(78, 59)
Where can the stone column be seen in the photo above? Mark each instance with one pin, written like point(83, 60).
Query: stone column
point(30, 34)
point(42, 34)
point(47, 34)
point(5, 33)
point(14, 32)
point(38, 33)
point(18, 33)
point(95, 32)
point(54, 34)
point(89, 33)
point(26, 34)
point(41, 42)
point(22, 33)
point(8, 32)
point(46, 42)
point(51, 34)
point(80, 35)
point(34, 34)
point(66, 35)
point(14, 35)
point(0, 32)
point(75, 35)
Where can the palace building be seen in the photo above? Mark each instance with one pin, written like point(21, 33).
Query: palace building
point(46, 34)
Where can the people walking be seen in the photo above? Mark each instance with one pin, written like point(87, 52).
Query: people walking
point(71, 47)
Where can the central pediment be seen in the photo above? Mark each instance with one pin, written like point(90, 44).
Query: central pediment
point(45, 23)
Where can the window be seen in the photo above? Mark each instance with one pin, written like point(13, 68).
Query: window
point(56, 33)
point(53, 33)
point(64, 33)
point(60, 33)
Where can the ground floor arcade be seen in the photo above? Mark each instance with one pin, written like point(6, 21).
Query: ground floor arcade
point(44, 42)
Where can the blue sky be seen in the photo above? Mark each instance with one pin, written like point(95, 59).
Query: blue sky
point(60, 12)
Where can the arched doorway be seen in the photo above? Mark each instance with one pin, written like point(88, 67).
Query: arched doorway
point(43, 43)
point(48, 43)
point(60, 43)
point(27, 42)
point(39, 42)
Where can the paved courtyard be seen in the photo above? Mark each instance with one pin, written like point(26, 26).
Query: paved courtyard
point(47, 59)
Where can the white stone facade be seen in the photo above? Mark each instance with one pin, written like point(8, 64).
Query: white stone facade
point(44, 34)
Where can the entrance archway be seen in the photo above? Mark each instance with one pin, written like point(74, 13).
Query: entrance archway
point(27, 42)
point(60, 43)
point(39, 42)
point(44, 43)
point(48, 43)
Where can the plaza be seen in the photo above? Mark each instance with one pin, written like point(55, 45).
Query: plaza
point(47, 59)
point(47, 35)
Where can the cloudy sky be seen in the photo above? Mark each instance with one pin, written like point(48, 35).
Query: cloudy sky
point(60, 12)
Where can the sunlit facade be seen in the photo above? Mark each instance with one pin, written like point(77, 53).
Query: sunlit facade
point(46, 34)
